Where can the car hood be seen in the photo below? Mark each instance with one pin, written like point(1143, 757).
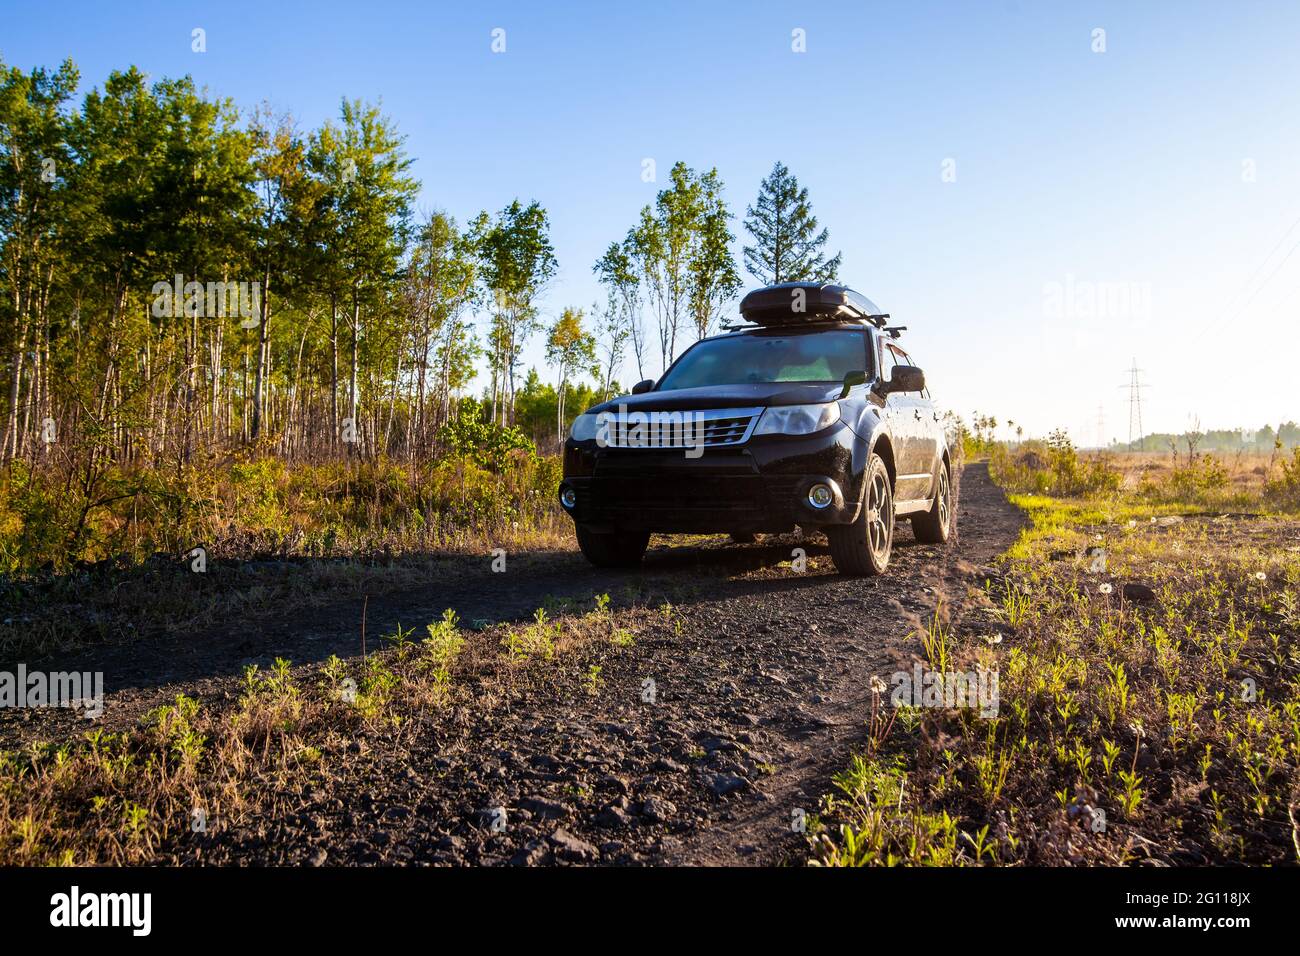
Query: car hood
point(725, 396)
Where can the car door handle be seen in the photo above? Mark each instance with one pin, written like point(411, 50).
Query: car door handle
point(917, 413)
point(936, 416)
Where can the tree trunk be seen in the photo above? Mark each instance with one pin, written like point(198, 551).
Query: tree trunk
point(263, 352)
point(352, 379)
point(334, 371)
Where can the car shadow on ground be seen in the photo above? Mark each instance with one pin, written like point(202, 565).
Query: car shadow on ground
point(557, 581)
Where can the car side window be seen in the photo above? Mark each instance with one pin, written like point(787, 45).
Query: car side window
point(906, 359)
point(887, 362)
point(896, 356)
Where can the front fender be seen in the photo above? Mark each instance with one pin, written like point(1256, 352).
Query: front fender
point(869, 424)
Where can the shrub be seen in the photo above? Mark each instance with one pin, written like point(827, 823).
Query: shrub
point(1053, 468)
point(1203, 480)
point(488, 444)
point(1283, 493)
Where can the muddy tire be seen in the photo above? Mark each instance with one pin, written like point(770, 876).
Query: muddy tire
point(743, 537)
point(935, 526)
point(863, 548)
point(613, 549)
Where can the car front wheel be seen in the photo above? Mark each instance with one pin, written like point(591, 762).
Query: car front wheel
point(863, 547)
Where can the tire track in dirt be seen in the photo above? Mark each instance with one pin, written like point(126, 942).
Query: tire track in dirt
point(922, 581)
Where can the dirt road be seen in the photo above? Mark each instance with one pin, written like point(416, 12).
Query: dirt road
point(693, 745)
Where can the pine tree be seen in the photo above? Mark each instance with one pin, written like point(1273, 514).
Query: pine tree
point(787, 246)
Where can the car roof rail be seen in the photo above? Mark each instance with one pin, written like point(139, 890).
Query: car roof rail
point(895, 330)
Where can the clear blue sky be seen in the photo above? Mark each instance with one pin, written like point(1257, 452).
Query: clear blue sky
point(1163, 173)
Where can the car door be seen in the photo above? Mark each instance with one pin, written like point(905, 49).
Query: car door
point(938, 429)
point(903, 415)
point(926, 422)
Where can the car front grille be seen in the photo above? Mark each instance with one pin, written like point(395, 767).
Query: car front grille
point(710, 428)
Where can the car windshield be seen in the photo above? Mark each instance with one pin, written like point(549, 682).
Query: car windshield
point(760, 359)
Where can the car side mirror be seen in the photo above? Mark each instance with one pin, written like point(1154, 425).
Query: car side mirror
point(851, 379)
point(905, 378)
point(641, 387)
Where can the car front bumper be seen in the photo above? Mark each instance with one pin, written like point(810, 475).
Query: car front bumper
point(760, 486)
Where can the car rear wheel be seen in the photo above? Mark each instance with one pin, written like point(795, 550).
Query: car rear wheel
point(613, 549)
point(863, 548)
point(935, 525)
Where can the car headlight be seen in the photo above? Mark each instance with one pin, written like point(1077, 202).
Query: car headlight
point(798, 419)
point(584, 427)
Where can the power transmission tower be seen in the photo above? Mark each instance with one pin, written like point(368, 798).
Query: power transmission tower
point(1134, 386)
point(1101, 428)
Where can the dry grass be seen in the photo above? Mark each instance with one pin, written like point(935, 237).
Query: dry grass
point(1240, 481)
point(1245, 472)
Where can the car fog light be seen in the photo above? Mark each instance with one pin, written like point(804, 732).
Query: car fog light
point(820, 496)
point(568, 497)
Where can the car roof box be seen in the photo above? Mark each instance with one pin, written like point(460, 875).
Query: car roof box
point(793, 303)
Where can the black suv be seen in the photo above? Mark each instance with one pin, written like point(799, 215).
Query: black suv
point(810, 415)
